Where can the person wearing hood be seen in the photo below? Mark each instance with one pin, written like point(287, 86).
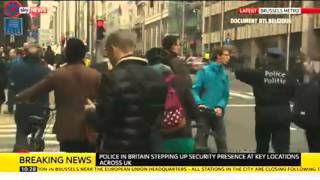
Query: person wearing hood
point(211, 90)
point(273, 88)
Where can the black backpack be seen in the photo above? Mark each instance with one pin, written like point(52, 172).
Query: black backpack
point(306, 106)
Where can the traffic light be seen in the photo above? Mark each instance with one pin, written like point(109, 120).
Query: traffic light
point(100, 29)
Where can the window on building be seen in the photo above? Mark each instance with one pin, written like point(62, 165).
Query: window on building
point(228, 16)
point(156, 6)
point(215, 23)
point(166, 4)
point(152, 10)
point(299, 3)
point(210, 2)
point(206, 28)
point(157, 35)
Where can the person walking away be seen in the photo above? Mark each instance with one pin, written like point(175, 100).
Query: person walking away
point(23, 75)
point(49, 56)
point(211, 91)
point(298, 67)
point(273, 88)
point(73, 85)
point(131, 98)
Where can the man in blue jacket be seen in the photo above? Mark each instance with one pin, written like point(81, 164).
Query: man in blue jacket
point(211, 91)
point(23, 75)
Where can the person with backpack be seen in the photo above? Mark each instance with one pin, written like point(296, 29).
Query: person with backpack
point(273, 88)
point(174, 127)
point(183, 86)
point(131, 97)
point(211, 91)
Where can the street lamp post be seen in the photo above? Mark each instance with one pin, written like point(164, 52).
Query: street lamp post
point(209, 31)
point(203, 27)
point(161, 23)
point(93, 30)
point(288, 39)
point(88, 24)
point(143, 29)
point(182, 29)
point(222, 23)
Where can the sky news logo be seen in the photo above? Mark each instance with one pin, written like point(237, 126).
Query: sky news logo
point(36, 10)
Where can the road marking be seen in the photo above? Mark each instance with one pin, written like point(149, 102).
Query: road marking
point(233, 93)
point(14, 135)
point(249, 93)
point(46, 150)
point(293, 129)
point(7, 126)
point(241, 105)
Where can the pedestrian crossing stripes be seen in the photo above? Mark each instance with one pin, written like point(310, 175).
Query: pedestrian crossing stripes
point(8, 134)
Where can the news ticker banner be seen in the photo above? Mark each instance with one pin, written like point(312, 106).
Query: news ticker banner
point(91, 162)
point(261, 11)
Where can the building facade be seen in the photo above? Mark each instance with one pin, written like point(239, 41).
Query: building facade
point(159, 18)
point(252, 39)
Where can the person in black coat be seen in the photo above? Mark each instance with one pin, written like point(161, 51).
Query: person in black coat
point(49, 56)
point(131, 97)
point(273, 88)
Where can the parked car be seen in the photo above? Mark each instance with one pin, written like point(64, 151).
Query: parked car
point(195, 64)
